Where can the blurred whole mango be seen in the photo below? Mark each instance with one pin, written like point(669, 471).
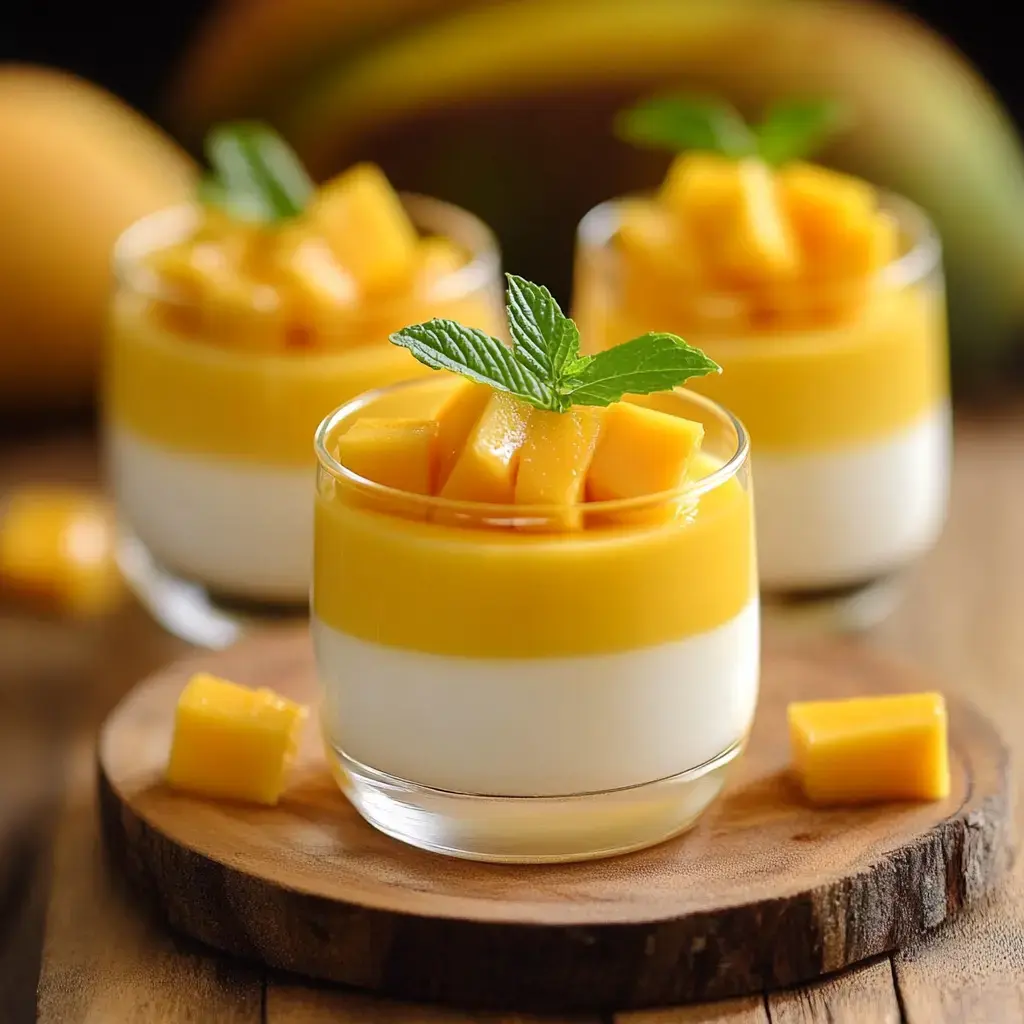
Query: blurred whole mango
point(76, 168)
point(505, 106)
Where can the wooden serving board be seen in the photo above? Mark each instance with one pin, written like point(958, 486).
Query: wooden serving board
point(765, 892)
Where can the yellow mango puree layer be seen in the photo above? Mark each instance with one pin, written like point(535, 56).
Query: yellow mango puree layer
point(202, 399)
point(507, 593)
point(812, 390)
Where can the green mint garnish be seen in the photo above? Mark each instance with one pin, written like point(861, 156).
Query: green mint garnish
point(254, 175)
point(543, 366)
point(789, 131)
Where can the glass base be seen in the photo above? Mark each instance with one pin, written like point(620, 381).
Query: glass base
point(187, 609)
point(537, 829)
point(849, 609)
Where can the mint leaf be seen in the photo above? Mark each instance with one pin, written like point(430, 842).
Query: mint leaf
point(652, 362)
point(795, 129)
point(259, 177)
point(679, 122)
point(447, 345)
point(545, 339)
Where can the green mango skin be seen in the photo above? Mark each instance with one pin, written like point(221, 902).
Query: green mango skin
point(523, 138)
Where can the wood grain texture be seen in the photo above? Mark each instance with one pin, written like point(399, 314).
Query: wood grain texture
point(106, 960)
point(765, 892)
point(306, 1004)
point(864, 995)
point(750, 1010)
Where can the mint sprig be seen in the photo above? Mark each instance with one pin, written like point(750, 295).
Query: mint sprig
point(789, 130)
point(255, 175)
point(543, 366)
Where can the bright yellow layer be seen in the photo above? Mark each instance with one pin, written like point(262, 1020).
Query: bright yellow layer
point(815, 390)
point(507, 594)
point(202, 399)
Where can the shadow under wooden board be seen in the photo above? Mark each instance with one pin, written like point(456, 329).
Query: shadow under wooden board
point(765, 892)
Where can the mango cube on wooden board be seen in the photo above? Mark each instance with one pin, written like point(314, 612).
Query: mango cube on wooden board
point(231, 742)
point(57, 550)
point(871, 749)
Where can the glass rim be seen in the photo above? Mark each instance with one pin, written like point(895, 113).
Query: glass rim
point(483, 511)
point(599, 225)
point(472, 233)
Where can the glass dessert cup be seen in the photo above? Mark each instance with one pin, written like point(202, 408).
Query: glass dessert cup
point(848, 415)
point(208, 447)
point(497, 688)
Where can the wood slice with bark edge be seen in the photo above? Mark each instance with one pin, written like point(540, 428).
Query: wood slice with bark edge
point(765, 892)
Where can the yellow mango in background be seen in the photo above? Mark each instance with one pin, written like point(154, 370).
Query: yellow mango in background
point(78, 167)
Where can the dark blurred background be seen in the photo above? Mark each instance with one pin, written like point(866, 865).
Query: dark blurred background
point(130, 48)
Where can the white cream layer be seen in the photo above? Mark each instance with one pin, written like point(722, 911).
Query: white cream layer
point(541, 726)
point(242, 529)
point(845, 516)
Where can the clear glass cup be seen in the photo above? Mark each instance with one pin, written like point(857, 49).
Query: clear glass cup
point(498, 688)
point(844, 389)
point(208, 446)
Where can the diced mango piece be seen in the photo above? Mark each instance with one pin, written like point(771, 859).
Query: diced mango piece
point(363, 221)
point(641, 451)
point(699, 186)
point(57, 550)
point(231, 742)
point(554, 460)
point(817, 200)
point(486, 469)
point(871, 749)
point(457, 416)
point(755, 243)
point(399, 453)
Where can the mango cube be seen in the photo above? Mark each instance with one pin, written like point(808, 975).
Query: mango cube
point(756, 243)
point(699, 186)
point(399, 453)
point(57, 550)
point(456, 417)
point(555, 458)
point(363, 221)
point(231, 742)
point(486, 469)
point(641, 451)
point(871, 749)
point(818, 200)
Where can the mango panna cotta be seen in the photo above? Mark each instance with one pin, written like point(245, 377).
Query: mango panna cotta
point(870, 749)
point(239, 322)
point(822, 299)
point(531, 583)
point(231, 742)
point(57, 551)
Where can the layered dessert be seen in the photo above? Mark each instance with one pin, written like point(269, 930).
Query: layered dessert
point(536, 586)
point(822, 299)
point(238, 323)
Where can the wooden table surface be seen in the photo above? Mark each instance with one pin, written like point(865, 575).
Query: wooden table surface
point(106, 959)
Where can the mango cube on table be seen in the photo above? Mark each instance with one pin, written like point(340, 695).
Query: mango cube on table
point(57, 549)
point(871, 749)
point(231, 742)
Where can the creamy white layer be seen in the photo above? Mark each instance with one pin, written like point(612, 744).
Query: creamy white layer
point(242, 529)
point(845, 516)
point(540, 726)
